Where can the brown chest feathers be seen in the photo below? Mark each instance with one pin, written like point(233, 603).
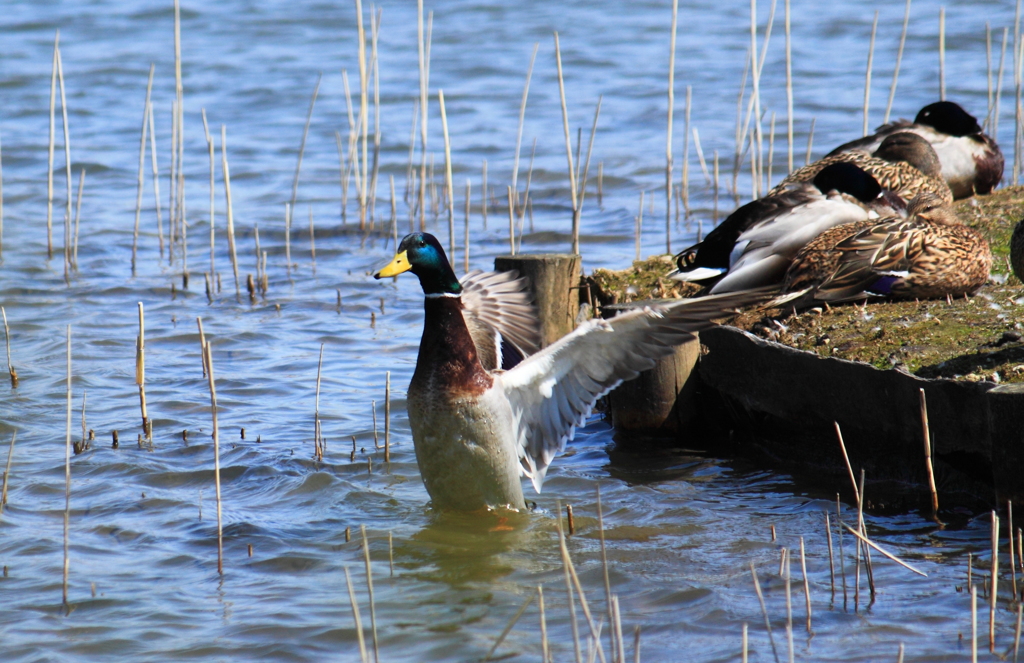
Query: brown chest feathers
point(448, 362)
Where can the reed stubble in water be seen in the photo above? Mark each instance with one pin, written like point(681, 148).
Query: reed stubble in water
point(140, 371)
point(764, 611)
point(926, 435)
point(142, 164)
point(387, 420)
point(369, 587)
point(7, 339)
point(67, 482)
point(226, 171)
point(668, 132)
point(208, 356)
point(355, 612)
point(7, 472)
point(318, 450)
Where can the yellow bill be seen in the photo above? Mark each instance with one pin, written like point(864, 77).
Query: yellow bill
point(399, 264)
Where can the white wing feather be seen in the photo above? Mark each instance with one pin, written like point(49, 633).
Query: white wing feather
point(554, 391)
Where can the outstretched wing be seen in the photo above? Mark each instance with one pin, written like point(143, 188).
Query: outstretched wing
point(498, 307)
point(554, 391)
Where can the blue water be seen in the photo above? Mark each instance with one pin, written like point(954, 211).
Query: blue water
point(681, 530)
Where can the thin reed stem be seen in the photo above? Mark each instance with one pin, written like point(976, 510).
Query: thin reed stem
point(210, 149)
point(226, 171)
point(522, 118)
point(764, 611)
point(140, 369)
point(448, 176)
point(899, 59)
point(355, 615)
point(67, 168)
point(142, 164)
point(7, 472)
point(369, 585)
point(942, 53)
point(302, 151)
point(568, 151)
point(789, 91)
point(67, 480)
point(49, 163)
point(668, 132)
point(156, 181)
point(867, 74)
point(994, 590)
point(216, 456)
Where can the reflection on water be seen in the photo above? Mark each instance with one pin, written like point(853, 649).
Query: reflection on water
point(680, 529)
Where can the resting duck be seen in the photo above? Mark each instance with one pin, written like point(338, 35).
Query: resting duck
point(1017, 250)
point(971, 161)
point(925, 255)
point(903, 163)
point(476, 429)
point(752, 248)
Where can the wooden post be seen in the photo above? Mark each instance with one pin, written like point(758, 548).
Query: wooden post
point(660, 400)
point(554, 280)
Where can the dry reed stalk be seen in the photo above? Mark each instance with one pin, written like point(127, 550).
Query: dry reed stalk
point(789, 611)
point(604, 566)
point(156, 181)
point(84, 431)
point(686, 153)
point(842, 552)
point(668, 133)
point(78, 217)
point(369, 585)
point(7, 472)
point(789, 90)
point(568, 590)
point(988, 74)
point(210, 149)
point(394, 210)
point(409, 182)
point(867, 74)
point(739, 140)
point(1009, 531)
point(465, 239)
point(1016, 635)
point(7, 338)
point(771, 153)
point(764, 611)
point(743, 644)
point(67, 167)
point(302, 151)
point(568, 150)
point(942, 53)
point(375, 66)
point(1017, 76)
point(899, 59)
point(355, 615)
point(617, 624)
point(259, 254)
point(545, 654)
point(928, 455)
point(974, 624)
point(884, 552)
point(995, 584)
point(202, 343)
point(864, 531)
point(810, 141)
point(510, 625)
point(567, 561)
point(511, 223)
point(178, 173)
point(600, 182)
point(387, 417)
point(846, 459)
point(373, 412)
point(999, 85)
point(807, 584)
point(49, 163)
point(172, 208)
point(67, 480)
point(364, 118)
point(391, 555)
point(783, 554)
point(318, 451)
point(142, 164)
point(226, 171)
point(207, 353)
point(639, 225)
point(522, 118)
point(140, 368)
point(831, 560)
point(448, 175)
point(582, 193)
point(715, 212)
point(483, 193)
point(424, 70)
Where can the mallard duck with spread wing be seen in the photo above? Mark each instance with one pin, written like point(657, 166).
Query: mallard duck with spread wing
point(476, 429)
point(928, 254)
point(971, 160)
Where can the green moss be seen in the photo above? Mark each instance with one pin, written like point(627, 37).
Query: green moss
point(979, 338)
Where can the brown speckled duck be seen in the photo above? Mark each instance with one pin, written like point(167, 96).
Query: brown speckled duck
point(476, 429)
point(971, 161)
point(903, 163)
point(926, 255)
